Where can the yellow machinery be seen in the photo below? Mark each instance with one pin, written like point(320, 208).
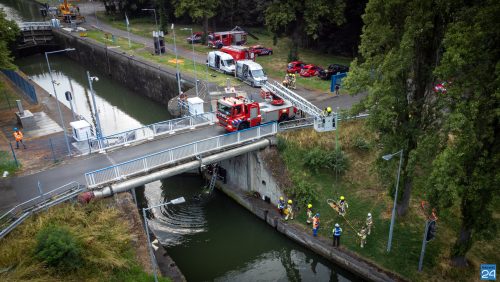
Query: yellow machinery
point(68, 12)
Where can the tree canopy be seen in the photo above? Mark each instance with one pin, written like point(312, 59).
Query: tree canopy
point(8, 33)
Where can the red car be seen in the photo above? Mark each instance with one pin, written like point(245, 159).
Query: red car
point(260, 50)
point(295, 67)
point(310, 70)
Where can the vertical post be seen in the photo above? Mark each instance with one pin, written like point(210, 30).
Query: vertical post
point(88, 141)
point(153, 262)
point(176, 63)
point(194, 63)
point(424, 244)
point(96, 112)
point(52, 149)
point(391, 228)
point(14, 154)
point(134, 195)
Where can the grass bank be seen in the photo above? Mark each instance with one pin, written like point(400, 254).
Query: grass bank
point(274, 65)
point(365, 192)
point(102, 230)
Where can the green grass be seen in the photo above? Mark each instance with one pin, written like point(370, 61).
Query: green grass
point(7, 163)
point(274, 65)
point(364, 192)
point(7, 96)
point(120, 42)
point(108, 254)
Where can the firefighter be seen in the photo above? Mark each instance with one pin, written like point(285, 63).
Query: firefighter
point(292, 81)
point(337, 231)
point(281, 205)
point(369, 223)
point(343, 206)
point(18, 135)
point(327, 111)
point(315, 225)
point(362, 236)
point(289, 209)
point(309, 213)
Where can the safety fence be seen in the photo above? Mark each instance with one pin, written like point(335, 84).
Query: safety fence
point(309, 121)
point(15, 216)
point(23, 84)
point(160, 159)
point(149, 132)
point(35, 26)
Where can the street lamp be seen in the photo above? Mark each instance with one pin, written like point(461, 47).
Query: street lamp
point(96, 112)
point(391, 228)
point(55, 94)
point(157, 30)
point(194, 62)
point(176, 63)
point(172, 202)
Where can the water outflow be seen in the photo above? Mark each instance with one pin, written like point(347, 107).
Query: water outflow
point(212, 238)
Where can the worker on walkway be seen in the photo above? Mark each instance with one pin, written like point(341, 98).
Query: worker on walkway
point(369, 223)
point(337, 231)
point(281, 205)
point(309, 213)
point(362, 236)
point(315, 225)
point(18, 135)
point(343, 206)
point(289, 208)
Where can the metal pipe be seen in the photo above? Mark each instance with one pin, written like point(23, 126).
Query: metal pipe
point(126, 185)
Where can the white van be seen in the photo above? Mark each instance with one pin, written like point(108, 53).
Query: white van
point(250, 72)
point(221, 62)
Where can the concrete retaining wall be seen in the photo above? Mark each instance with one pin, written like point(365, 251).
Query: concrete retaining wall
point(142, 77)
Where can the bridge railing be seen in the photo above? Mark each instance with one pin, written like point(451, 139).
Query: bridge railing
point(144, 164)
point(150, 131)
point(309, 121)
point(35, 26)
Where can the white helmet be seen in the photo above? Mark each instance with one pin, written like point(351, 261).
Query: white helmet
point(337, 225)
point(369, 215)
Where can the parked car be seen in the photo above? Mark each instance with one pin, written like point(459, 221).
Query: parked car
point(310, 70)
point(260, 50)
point(295, 67)
point(196, 38)
point(331, 70)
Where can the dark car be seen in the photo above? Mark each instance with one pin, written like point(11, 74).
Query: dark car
point(331, 70)
point(196, 38)
point(260, 50)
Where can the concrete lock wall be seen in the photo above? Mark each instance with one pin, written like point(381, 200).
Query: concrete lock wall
point(140, 76)
point(249, 173)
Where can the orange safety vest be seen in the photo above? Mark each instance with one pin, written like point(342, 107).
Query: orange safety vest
point(315, 222)
point(18, 135)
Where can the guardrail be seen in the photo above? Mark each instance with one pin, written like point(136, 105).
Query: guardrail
point(16, 215)
point(35, 26)
point(309, 121)
point(144, 164)
point(151, 131)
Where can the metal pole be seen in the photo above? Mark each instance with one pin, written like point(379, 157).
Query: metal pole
point(52, 149)
point(158, 32)
point(96, 112)
point(63, 125)
point(391, 228)
point(95, 14)
point(40, 190)
point(88, 142)
point(424, 244)
point(14, 154)
point(72, 110)
point(176, 63)
point(153, 262)
point(194, 63)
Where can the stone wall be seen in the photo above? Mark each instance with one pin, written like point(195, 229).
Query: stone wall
point(137, 74)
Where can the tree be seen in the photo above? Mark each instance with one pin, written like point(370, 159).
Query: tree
point(8, 34)
point(466, 171)
point(197, 10)
point(399, 50)
point(303, 18)
point(164, 10)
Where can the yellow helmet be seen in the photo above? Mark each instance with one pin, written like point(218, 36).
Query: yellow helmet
point(328, 109)
point(289, 201)
point(309, 206)
point(281, 198)
point(342, 198)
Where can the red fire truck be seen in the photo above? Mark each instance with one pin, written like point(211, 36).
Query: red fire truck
point(227, 38)
point(238, 113)
point(239, 52)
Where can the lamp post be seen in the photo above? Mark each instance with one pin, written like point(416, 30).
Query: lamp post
point(63, 125)
point(176, 63)
point(391, 228)
point(157, 30)
point(194, 62)
point(151, 255)
point(96, 112)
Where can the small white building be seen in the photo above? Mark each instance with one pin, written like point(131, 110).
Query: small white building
point(195, 105)
point(82, 130)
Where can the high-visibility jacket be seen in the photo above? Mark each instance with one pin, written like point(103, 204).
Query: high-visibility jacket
point(18, 135)
point(315, 222)
point(337, 231)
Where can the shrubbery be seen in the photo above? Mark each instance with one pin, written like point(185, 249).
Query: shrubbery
point(303, 192)
point(361, 144)
point(317, 159)
point(57, 247)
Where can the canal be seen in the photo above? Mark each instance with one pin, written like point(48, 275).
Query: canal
point(210, 237)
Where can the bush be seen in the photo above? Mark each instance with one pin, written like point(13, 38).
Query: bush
point(361, 144)
point(337, 160)
point(281, 144)
point(317, 159)
point(303, 192)
point(57, 247)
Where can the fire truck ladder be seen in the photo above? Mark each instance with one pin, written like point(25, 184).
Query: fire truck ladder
point(322, 121)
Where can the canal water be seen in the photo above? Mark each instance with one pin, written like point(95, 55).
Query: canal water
point(210, 237)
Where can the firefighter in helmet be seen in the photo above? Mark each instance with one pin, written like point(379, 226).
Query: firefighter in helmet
point(362, 236)
point(281, 205)
point(369, 223)
point(289, 208)
point(309, 213)
point(343, 206)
